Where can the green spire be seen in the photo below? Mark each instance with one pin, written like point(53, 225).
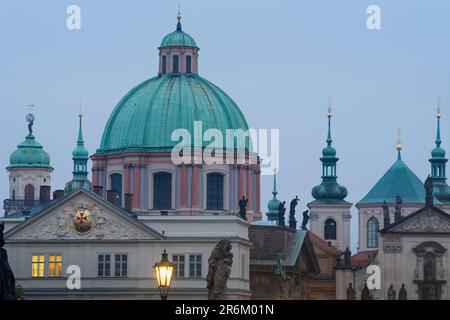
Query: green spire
point(80, 157)
point(272, 214)
point(438, 159)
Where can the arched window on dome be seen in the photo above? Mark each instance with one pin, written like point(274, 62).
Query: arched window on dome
point(162, 191)
point(116, 185)
point(330, 229)
point(164, 64)
point(29, 194)
point(214, 191)
point(188, 64)
point(372, 232)
point(175, 64)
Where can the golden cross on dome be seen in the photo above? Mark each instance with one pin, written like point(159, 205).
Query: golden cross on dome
point(438, 112)
point(330, 102)
point(399, 139)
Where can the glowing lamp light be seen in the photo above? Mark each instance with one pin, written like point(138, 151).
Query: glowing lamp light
point(164, 272)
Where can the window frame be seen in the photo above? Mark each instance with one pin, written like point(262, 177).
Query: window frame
point(197, 265)
point(215, 201)
point(372, 235)
point(41, 265)
point(326, 235)
point(157, 193)
point(177, 263)
point(57, 265)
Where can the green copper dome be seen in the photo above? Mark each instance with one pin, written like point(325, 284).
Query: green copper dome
point(398, 180)
point(29, 153)
point(178, 38)
point(147, 115)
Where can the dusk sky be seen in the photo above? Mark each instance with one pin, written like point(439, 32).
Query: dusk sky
point(278, 60)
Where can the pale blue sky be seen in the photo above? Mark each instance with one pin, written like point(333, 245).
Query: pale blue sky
point(279, 60)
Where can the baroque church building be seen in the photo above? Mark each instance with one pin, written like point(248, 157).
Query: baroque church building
point(139, 203)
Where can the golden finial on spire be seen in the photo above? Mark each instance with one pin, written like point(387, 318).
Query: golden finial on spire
point(179, 13)
point(438, 112)
point(330, 102)
point(399, 139)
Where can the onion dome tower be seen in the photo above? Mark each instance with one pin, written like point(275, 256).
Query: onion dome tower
point(177, 108)
point(29, 170)
point(272, 214)
point(80, 157)
point(329, 212)
point(438, 163)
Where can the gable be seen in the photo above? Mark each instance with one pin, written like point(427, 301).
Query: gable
point(426, 220)
point(82, 216)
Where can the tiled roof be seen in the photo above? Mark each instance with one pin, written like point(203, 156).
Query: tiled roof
point(321, 243)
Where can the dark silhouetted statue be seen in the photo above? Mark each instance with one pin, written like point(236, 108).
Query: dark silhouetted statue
point(243, 208)
point(403, 294)
point(292, 220)
point(386, 215)
point(398, 208)
point(281, 213)
point(7, 280)
point(351, 293)
point(391, 294)
point(305, 219)
point(365, 293)
point(347, 257)
point(428, 192)
point(219, 270)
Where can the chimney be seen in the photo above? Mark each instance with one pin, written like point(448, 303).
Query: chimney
point(44, 194)
point(111, 196)
point(129, 202)
point(99, 190)
point(58, 194)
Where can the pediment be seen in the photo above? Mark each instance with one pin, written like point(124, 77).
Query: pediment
point(428, 220)
point(82, 216)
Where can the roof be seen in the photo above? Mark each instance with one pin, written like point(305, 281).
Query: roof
point(398, 180)
point(322, 244)
point(363, 259)
point(178, 38)
point(29, 154)
point(147, 116)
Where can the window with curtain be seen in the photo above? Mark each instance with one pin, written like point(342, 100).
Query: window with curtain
point(162, 191)
point(330, 229)
point(214, 191)
point(372, 232)
point(37, 266)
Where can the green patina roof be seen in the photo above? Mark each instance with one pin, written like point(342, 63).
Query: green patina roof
point(29, 154)
point(146, 116)
point(178, 38)
point(398, 180)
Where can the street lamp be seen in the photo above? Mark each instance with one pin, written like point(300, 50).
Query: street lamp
point(164, 271)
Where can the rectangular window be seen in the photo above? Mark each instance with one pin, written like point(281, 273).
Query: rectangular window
point(104, 265)
point(121, 265)
point(179, 262)
point(54, 265)
point(195, 265)
point(37, 266)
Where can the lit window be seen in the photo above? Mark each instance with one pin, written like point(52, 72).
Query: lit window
point(104, 265)
point(179, 262)
point(372, 232)
point(195, 265)
point(121, 265)
point(37, 266)
point(54, 265)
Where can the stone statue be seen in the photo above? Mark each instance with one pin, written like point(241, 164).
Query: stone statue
point(7, 280)
point(391, 292)
point(365, 293)
point(30, 127)
point(292, 220)
point(403, 294)
point(338, 258)
point(243, 208)
point(305, 219)
point(219, 270)
point(351, 293)
point(347, 257)
point(281, 213)
point(398, 208)
point(428, 192)
point(386, 215)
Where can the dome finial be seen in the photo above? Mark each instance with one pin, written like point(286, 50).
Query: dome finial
point(399, 143)
point(438, 116)
point(30, 119)
point(179, 18)
point(329, 115)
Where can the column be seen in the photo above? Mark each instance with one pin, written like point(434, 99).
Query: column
point(95, 177)
point(195, 186)
point(249, 188)
point(183, 186)
point(136, 186)
point(127, 178)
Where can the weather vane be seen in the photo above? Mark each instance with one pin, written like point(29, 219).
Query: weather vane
point(438, 113)
point(330, 101)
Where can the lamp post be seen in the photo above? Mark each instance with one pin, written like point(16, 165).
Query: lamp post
point(164, 271)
